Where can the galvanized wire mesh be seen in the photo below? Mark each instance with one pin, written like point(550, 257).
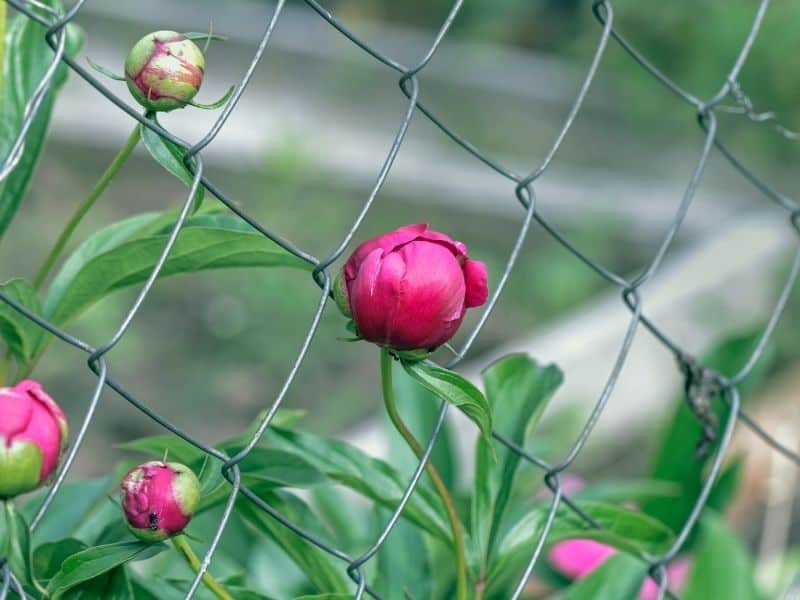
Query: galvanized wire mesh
point(700, 378)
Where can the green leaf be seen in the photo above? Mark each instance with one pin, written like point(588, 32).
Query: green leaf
point(420, 412)
point(170, 156)
point(17, 548)
point(239, 592)
point(323, 571)
point(242, 593)
point(633, 490)
point(626, 530)
point(150, 588)
point(727, 485)
point(22, 335)
point(97, 244)
point(368, 476)
point(456, 390)
point(282, 468)
point(48, 558)
point(283, 418)
point(198, 248)
point(518, 390)
point(325, 597)
point(350, 525)
point(113, 585)
point(620, 578)
point(27, 58)
point(177, 449)
point(675, 458)
point(264, 469)
point(96, 561)
point(73, 509)
point(721, 567)
point(404, 564)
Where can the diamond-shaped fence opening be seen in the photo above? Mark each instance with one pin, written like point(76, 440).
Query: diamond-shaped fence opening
point(702, 382)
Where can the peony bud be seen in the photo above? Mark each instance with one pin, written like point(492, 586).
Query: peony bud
point(409, 289)
point(158, 499)
point(164, 70)
point(33, 433)
point(578, 558)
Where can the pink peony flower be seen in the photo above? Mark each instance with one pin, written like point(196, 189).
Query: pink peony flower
point(33, 433)
point(158, 499)
point(578, 558)
point(409, 289)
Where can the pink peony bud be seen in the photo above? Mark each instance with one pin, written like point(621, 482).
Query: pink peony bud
point(164, 70)
point(576, 559)
point(158, 499)
point(33, 433)
point(409, 289)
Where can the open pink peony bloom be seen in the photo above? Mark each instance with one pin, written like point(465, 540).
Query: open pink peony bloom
point(158, 499)
point(578, 558)
point(409, 289)
point(33, 433)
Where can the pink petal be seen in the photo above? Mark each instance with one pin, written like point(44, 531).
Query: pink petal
point(458, 249)
point(44, 431)
point(431, 302)
point(476, 279)
point(386, 242)
point(148, 498)
point(577, 558)
point(15, 414)
point(35, 390)
point(677, 572)
point(369, 313)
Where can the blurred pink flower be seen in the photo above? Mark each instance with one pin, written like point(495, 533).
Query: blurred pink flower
point(578, 558)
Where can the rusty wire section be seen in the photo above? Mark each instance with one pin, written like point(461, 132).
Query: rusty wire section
point(724, 386)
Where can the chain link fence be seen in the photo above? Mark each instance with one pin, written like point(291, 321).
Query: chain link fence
point(703, 385)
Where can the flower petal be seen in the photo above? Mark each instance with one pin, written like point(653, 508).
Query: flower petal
point(677, 573)
point(458, 249)
point(15, 414)
point(476, 279)
point(369, 314)
point(577, 558)
point(386, 242)
point(431, 303)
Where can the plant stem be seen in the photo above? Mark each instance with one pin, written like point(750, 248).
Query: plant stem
point(84, 206)
point(185, 550)
point(441, 489)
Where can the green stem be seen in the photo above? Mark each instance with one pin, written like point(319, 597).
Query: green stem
point(441, 489)
point(185, 550)
point(83, 208)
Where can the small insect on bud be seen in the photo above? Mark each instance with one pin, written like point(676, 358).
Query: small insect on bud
point(164, 70)
point(158, 499)
point(33, 433)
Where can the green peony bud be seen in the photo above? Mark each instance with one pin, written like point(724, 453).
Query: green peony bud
point(164, 71)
